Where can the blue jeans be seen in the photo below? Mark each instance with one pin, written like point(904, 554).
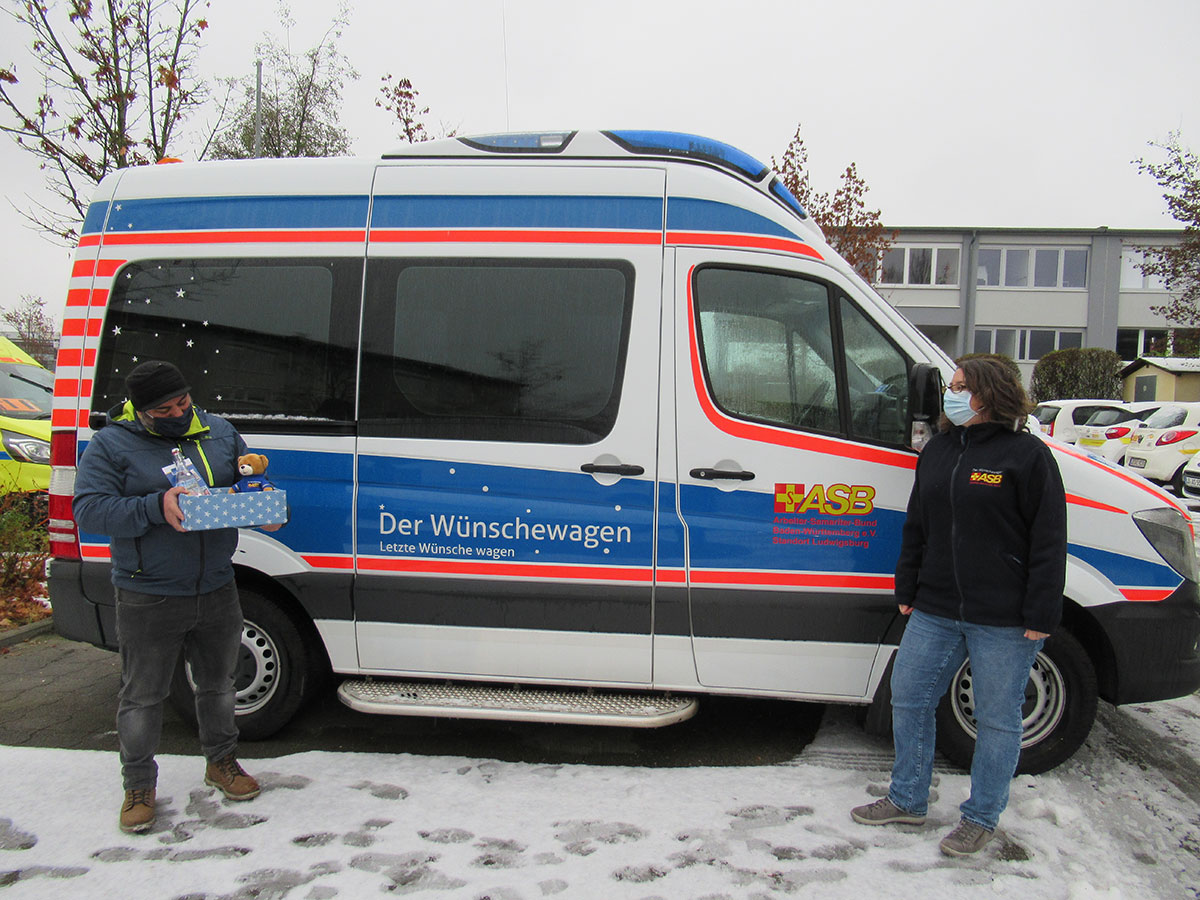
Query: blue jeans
point(930, 654)
point(152, 630)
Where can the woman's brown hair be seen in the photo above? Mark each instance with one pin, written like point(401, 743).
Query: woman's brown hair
point(998, 391)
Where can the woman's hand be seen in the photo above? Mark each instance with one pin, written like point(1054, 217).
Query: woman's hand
point(905, 610)
point(1035, 635)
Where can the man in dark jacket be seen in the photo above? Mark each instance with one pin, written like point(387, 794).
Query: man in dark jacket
point(174, 588)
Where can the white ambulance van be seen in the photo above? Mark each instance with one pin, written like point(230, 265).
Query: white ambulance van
point(575, 426)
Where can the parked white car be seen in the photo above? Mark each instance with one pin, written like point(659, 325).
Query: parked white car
point(1165, 443)
point(1061, 418)
point(1191, 478)
point(1108, 432)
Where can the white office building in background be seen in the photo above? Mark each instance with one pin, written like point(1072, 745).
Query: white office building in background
point(1026, 292)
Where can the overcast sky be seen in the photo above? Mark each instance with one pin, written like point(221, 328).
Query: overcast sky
point(1018, 113)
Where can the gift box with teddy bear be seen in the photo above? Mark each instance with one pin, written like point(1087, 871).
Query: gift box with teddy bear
point(253, 500)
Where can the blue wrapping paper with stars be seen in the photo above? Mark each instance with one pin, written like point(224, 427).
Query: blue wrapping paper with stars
point(205, 512)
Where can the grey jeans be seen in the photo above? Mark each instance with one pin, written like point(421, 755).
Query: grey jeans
point(152, 630)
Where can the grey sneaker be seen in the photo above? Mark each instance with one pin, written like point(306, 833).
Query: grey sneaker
point(884, 812)
point(965, 839)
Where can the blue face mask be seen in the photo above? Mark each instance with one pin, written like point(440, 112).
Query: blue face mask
point(957, 407)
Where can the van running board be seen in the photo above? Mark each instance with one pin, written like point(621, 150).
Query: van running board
point(475, 701)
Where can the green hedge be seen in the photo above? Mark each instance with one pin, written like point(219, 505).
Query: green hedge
point(1085, 373)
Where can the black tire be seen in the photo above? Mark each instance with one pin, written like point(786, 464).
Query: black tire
point(1176, 484)
point(1060, 707)
point(278, 670)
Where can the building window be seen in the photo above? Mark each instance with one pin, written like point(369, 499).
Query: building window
point(1040, 267)
point(1025, 344)
point(1135, 342)
point(1132, 278)
point(920, 266)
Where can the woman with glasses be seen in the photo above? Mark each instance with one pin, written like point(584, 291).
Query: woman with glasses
point(980, 576)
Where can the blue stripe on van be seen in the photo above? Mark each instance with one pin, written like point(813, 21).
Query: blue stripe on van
point(213, 213)
point(526, 211)
point(690, 214)
point(1126, 571)
point(93, 222)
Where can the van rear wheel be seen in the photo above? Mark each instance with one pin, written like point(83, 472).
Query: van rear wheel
point(1059, 709)
point(278, 669)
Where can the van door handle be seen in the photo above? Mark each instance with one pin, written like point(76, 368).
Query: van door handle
point(713, 474)
point(598, 469)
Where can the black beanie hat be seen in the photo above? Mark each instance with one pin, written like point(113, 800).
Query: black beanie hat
point(153, 383)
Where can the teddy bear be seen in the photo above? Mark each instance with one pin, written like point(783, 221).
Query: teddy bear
point(253, 469)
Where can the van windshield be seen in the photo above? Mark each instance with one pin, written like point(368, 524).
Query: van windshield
point(26, 392)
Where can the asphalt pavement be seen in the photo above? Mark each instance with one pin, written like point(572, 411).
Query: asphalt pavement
point(60, 693)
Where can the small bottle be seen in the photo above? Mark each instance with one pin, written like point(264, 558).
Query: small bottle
point(186, 475)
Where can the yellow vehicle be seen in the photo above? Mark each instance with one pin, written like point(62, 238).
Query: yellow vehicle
point(26, 395)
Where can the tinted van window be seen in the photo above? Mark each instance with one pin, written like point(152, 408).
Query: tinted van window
point(483, 350)
point(268, 340)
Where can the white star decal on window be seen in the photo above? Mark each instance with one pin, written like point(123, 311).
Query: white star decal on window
point(180, 293)
point(117, 330)
point(191, 343)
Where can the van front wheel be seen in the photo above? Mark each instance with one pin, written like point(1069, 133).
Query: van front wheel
point(1060, 706)
point(276, 673)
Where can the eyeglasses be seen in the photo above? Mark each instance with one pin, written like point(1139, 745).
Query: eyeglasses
point(957, 388)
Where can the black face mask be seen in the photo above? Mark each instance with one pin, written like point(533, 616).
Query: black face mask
point(172, 426)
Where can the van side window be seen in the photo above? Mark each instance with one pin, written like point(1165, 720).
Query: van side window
point(876, 378)
point(267, 340)
point(767, 344)
point(494, 350)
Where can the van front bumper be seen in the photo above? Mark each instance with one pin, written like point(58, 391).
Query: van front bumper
point(1156, 647)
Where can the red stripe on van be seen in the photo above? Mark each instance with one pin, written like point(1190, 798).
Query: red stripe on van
point(356, 236)
point(95, 551)
point(83, 268)
point(512, 570)
point(513, 236)
point(1146, 595)
point(755, 241)
point(782, 437)
point(106, 268)
point(78, 297)
point(796, 579)
point(66, 387)
point(1136, 480)
point(100, 297)
point(73, 327)
point(329, 562)
point(63, 418)
point(89, 240)
point(1093, 504)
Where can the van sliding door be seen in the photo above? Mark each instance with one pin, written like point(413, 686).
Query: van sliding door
point(506, 457)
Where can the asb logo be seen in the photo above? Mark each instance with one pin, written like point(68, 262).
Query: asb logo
point(830, 500)
point(987, 476)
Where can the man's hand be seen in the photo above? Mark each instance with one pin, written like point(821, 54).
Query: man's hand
point(171, 511)
point(905, 610)
point(1035, 635)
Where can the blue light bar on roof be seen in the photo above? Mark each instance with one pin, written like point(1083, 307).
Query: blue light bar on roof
point(789, 199)
point(525, 142)
point(674, 143)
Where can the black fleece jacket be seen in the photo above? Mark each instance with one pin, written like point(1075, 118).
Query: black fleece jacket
point(985, 540)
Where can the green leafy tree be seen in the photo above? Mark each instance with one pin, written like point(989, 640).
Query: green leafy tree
point(111, 83)
point(1178, 265)
point(301, 99)
point(853, 230)
point(1087, 372)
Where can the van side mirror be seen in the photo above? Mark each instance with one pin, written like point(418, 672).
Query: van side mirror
point(925, 388)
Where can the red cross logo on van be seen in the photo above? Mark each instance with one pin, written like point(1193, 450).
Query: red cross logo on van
point(788, 497)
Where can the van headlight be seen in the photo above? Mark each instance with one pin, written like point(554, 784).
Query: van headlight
point(1170, 534)
point(24, 448)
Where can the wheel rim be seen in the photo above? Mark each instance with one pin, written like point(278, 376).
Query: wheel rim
point(257, 676)
point(1045, 701)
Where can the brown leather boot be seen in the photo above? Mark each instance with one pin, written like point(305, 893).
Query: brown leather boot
point(137, 812)
point(230, 779)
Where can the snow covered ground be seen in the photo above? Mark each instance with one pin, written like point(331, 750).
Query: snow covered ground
point(340, 825)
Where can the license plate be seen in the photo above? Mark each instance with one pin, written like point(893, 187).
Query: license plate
point(1192, 481)
point(1136, 462)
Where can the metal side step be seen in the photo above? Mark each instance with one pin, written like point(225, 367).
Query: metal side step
point(475, 701)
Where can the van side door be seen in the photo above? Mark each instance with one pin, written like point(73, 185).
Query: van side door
point(507, 426)
point(792, 472)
